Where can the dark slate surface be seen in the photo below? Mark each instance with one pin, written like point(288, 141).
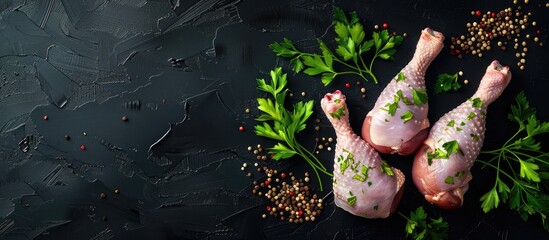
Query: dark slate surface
point(177, 160)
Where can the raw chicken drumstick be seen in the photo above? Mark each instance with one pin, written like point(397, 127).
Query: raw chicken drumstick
point(364, 184)
point(398, 122)
point(441, 168)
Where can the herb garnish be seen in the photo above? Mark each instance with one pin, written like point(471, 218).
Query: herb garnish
point(471, 116)
point(351, 46)
point(407, 116)
point(446, 82)
point(449, 147)
point(419, 96)
point(340, 112)
point(525, 185)
point(474, 136)
point(352, 199)
point(400, 77)
point(345, 162)
point(285, 124)
point(405, 100)
point(419, 229)
point(392, 107)
point(477, 103)
point(385, 168)
point(363, 175)
point(449, 180)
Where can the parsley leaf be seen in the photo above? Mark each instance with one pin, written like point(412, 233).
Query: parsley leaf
point(449, 147)
point(351, 200)
point(477, 103)
point(340, 112)
point(446, 82)
point(471, 116)
point(405, 100)
point(449, 180)
point(400, 77)
point(352, 45)
point(522, 111)
point(438, 154)
point(407, 116)
point(419, 96)
point(391, 108)
point(282, 125)
point(385, 168)
point(524, 187)
point(474, 136)
point(345, 162)
point(419, 229)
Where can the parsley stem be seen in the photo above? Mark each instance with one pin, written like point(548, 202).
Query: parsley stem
point(368, 70)
point(372, 61)
point(404, 216)
point(358, 70)
point(297, 148)
point(372, 75)
point(503, 172)
point(314, 157)
point(336, 59)
point(344, 63)
point(352, 72)
point(317, 175)
point(538, 158)
point(511, 167)
point(513, 137)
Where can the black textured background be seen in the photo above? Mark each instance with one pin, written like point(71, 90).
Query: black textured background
point(177, 160)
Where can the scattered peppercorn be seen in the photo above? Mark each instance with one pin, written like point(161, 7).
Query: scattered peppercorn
point(507, 28)
point(125, 118)
point(347, 85)
point(102, 195)
point(385, 25)
point(82, 147)
point(117, 191)
point(241, 128)
point(292, 201)
point(45, 117)
point(67, 137)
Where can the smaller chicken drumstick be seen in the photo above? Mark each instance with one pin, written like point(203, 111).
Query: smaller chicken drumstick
point(364, 184)
point(441, 169)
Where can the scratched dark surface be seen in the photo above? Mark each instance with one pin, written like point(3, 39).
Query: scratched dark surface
point(177, 160)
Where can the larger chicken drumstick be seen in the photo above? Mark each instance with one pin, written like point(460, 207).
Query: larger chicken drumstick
point(442, 166)
point(364, 184)
point(398, 122)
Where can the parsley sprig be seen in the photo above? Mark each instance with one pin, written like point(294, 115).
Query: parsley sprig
point(351, 46)
point(418, 228)
point(447, 82)
point(282, 125)
point(449, 147)
point(524, 183)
